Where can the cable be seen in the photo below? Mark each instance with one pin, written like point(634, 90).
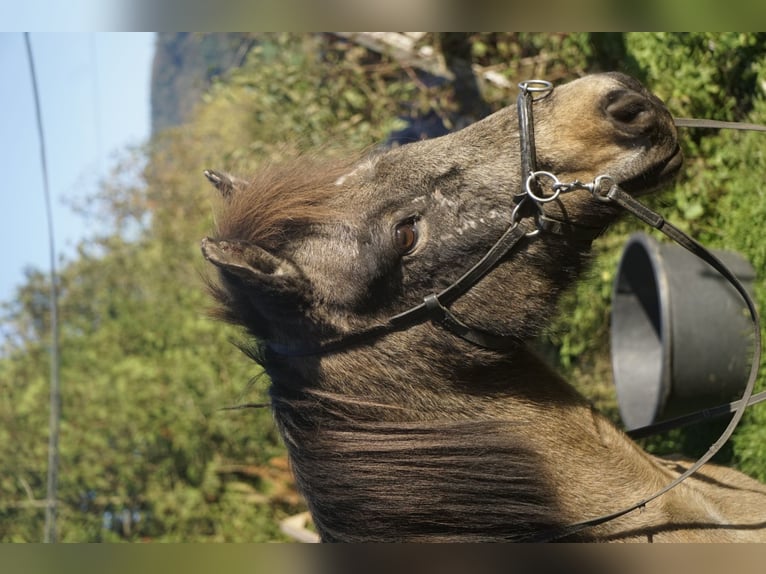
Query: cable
point(55, 393)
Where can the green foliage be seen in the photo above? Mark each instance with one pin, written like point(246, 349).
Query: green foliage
point(144, 377)
point(300, 93)
point(701, 73)
point(147, 453)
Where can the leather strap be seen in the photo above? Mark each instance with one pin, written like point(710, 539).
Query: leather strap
point(438, 313)
point(695, 417)
point(528, 155)
point(717, 124)
point(632, 205)
point(567, 229)
point(433, 308)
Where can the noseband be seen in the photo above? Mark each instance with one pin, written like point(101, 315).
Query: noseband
point(529, 204)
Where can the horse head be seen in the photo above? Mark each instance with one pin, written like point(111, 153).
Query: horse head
point(314, 251)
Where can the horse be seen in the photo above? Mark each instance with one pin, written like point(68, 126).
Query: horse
point(403, 382)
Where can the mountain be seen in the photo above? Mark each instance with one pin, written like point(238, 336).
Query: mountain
point(184, 66)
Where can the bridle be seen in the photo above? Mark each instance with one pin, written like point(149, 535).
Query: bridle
point(528, 204)
point(435, 307)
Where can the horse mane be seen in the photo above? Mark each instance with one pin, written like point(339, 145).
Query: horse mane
point(377, 479)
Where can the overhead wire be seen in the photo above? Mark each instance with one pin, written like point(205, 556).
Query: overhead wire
point(51, 505)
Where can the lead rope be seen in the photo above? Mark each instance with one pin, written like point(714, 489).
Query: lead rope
point(717, 124)
point(604, 189)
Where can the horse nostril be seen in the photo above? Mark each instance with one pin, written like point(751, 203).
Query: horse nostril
point(630, 110)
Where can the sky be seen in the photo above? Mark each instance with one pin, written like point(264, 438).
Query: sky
point(94, 99)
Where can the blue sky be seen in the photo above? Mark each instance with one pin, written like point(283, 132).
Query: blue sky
point(94, 90)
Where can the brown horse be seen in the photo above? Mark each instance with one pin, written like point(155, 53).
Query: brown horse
point(405, 430)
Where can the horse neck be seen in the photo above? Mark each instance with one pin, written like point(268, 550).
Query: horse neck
point(494, 453)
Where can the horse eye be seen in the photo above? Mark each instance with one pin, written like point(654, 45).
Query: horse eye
point(406, 236)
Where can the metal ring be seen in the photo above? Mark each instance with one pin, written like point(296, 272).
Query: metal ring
point(533, 176)
point(515, 213)
point(536, 86)
point(515, 218)
point(598, 185)
point(532, 233)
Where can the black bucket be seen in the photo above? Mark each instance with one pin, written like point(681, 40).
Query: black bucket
point(681, 337)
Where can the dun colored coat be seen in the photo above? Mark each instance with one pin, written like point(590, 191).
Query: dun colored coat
point(417, 434)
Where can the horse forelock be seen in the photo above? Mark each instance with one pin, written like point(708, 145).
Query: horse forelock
point(282, 200)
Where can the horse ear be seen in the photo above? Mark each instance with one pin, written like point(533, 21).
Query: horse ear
point(223, 182)
point(253, 265)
